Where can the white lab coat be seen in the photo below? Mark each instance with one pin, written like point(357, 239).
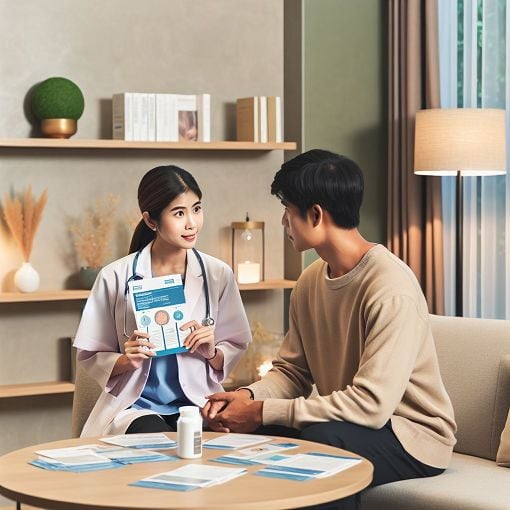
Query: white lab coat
point(100, 338)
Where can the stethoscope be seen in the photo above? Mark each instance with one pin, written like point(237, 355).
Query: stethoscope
point(206, 321)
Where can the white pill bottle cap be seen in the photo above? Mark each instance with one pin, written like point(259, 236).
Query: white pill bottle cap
point(189, 411)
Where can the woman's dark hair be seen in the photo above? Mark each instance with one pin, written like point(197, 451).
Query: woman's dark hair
point(156, 190)
point(321, 177)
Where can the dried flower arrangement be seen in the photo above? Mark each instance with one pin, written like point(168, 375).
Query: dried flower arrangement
point(23, 218)
point(257, 359)
point(92, 234)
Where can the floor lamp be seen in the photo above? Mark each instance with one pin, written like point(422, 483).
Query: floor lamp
point(462, 142)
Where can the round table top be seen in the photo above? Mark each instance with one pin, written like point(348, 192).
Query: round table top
point(110, 489)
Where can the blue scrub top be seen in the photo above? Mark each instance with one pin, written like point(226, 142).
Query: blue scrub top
point(162, 393)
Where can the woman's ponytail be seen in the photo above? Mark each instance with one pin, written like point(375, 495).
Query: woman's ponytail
point(142, 236)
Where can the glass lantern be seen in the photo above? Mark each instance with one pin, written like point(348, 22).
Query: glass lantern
point(248, 245)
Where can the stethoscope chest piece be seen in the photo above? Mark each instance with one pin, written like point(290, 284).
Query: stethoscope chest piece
point(208, 321)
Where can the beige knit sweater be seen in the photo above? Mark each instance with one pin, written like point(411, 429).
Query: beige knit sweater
point(364, 339)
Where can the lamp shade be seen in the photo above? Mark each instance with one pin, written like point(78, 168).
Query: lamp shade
point(469, 140)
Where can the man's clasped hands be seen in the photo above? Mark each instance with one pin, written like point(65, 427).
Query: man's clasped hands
point(233, 411)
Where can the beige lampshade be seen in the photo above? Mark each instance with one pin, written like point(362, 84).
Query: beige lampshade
point(472, 140)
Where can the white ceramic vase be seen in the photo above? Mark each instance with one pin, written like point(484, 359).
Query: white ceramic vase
point(26, 278)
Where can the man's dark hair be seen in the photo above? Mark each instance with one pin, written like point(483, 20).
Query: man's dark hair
point(321, 177)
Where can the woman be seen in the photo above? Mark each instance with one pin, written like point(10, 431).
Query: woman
point(142, 392)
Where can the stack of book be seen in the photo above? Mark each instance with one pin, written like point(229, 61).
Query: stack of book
point(259, 119)
point(161, 117)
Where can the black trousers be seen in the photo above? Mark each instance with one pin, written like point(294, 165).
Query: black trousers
point(153, 423)
point(381, 447)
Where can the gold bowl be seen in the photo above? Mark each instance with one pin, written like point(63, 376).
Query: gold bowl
point(59, 128)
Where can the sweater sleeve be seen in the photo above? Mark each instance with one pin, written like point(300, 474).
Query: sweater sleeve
point(395, 333)
point(290, 375)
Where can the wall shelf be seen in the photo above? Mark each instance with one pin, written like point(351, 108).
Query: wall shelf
point(42, 388)
point(50, 295)
point(268, 285)
point(76, 295)
point(77, 143)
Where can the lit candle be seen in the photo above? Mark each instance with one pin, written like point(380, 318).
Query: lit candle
point(248, 272)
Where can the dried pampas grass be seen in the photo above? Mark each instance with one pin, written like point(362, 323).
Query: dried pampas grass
point(23, 218)
point(92, 233)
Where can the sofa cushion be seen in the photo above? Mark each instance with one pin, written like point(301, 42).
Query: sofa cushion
point(471, 355)
point(469, 483)
point(503, 457)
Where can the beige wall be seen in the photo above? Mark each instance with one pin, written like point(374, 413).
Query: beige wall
point(229, 48)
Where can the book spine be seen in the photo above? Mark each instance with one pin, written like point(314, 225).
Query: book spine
point(274, 119)
point(128, 116)
point(118, 123)
point(262, 105)
point(247, 119)
point(187, 117)
point(204, 117)
point(256, 117)
point(151, 117)
point(138, 129)
point(279, 117)
point(122, 116)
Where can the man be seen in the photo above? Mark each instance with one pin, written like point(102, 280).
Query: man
point(359, 329)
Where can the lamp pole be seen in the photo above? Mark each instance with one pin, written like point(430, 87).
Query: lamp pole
point(459, 221)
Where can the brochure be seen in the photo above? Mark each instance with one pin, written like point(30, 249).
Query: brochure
point(262, 454)
point(190, 477)
point(235, 441)
point(160, 309)
point(308, 466)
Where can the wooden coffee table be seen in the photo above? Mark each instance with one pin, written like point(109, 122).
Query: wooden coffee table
point(110, 490)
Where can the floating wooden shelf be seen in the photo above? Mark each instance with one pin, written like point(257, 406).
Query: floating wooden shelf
point(42, 388)
point(50, 295)
point(75, 295)
point(268, 285)
point(77, 143)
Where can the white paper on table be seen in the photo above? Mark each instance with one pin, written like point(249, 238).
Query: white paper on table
point(63, 452)
point(131, 453)
point(327, 465)
point(235, 441)
point(197, 475)
point(140, 440)
point(258, 451)
point(79, 459)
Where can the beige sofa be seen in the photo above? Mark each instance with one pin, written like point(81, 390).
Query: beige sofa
point(474, 357)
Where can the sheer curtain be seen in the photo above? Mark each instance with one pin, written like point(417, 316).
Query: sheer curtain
point(474, 42)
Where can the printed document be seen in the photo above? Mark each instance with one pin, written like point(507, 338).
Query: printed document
point(160, 309)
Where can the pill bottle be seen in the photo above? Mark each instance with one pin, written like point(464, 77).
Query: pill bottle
point(189, 433)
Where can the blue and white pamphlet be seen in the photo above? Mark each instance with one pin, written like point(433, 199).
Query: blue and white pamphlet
point(160, 309)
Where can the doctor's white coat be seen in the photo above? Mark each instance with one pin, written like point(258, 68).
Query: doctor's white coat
point(100, 338)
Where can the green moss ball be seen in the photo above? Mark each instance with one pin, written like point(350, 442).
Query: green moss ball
point(57, 98)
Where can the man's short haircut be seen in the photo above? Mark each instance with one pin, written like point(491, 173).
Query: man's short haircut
point(321, 177)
